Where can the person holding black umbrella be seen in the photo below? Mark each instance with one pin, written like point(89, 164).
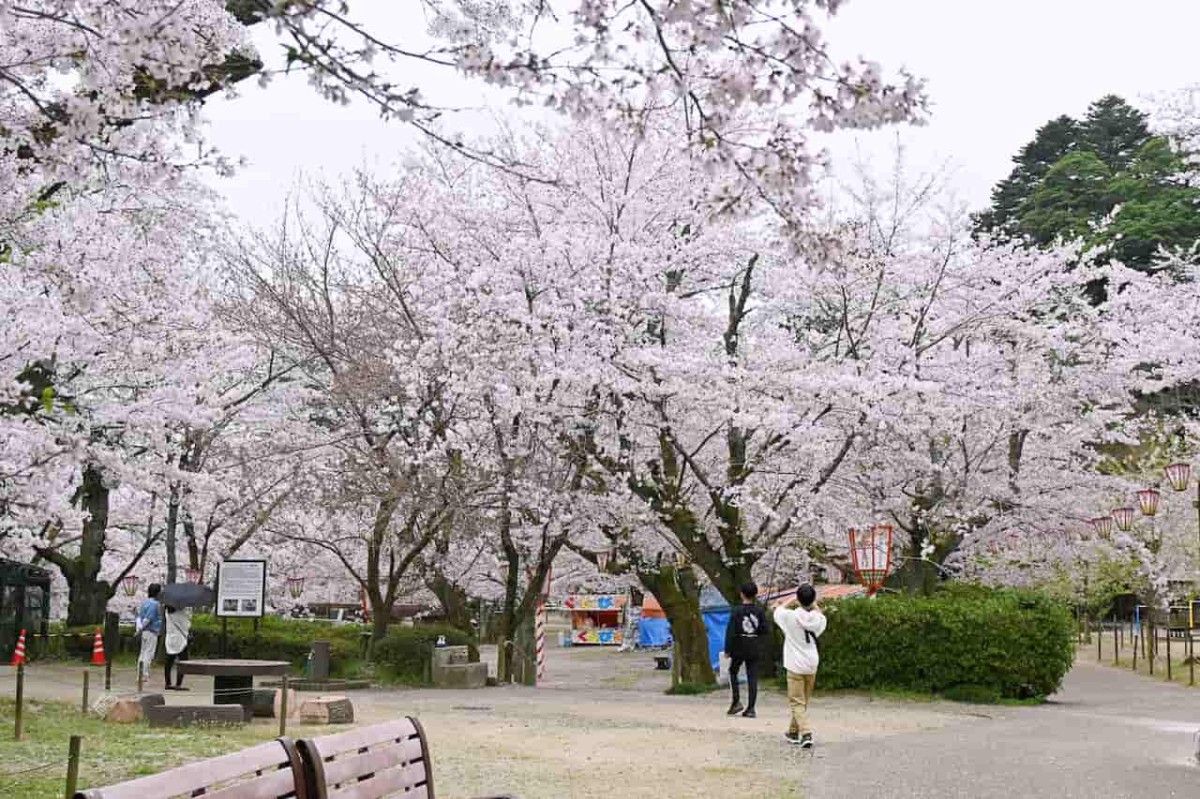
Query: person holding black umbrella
point(179, 629)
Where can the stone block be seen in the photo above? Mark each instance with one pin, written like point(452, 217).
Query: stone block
point(450, 656)
point(326, 710)
point(461, 675)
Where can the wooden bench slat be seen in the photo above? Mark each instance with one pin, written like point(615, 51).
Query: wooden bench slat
point(191, 777)
point(364, 737)
point(351, 765)
point(387, 783)
point(269, 786)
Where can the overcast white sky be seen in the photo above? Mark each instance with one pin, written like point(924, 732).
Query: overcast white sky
point(996, 71)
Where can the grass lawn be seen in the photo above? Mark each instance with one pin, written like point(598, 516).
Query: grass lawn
point(36, 766)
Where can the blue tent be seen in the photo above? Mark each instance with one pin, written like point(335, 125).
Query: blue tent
point(653, 633)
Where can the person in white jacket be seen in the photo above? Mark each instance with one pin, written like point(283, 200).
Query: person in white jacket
point(802, 623)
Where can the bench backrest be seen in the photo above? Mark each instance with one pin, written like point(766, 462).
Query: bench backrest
point(268, 771)
point(385, 760)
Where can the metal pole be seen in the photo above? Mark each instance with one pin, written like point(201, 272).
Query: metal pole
point(1150, 645)
point(1099, 643)
point(20, 710)
point(283, 707)
point(1168, 654)
point(73, 765)
point(1116, 646)
point(108, 674)
point(1191, 660)
point(84, 705)
point(1135, 651)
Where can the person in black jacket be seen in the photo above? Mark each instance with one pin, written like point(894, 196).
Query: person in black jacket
point(743, 644)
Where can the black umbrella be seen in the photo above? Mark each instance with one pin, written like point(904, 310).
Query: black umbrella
point(187, 595)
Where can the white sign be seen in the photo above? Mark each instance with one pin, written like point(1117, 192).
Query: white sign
point(241, 588)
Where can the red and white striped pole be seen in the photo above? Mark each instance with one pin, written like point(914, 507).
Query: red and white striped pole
point(540, 635)
point(539, 627)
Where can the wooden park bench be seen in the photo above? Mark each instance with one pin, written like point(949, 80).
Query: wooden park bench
point(384, 761)
point(268, 771)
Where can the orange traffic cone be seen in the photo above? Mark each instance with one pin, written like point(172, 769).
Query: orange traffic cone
point(98, 649)
point(19, 652)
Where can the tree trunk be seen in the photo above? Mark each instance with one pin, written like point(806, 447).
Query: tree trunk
point(87, 595)
point(380, 616)
point(678, 592)
point(454, 601)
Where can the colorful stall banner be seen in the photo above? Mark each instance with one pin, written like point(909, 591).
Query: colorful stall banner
point(595, 601)
point(597, 637)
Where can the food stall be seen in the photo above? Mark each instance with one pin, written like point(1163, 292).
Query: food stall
point(596, 619)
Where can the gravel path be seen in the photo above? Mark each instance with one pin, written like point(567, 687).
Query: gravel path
point(1107, 734)
point(602, 727)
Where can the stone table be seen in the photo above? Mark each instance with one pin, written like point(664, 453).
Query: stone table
point(233, 680)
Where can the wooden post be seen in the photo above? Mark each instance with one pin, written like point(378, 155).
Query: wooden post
point(283, 708)
point(1116, 646)
point(1150, 647)
point(20, 710)
point(84, 705)
point(73, 765)
point(1168, 654)
point(1135, 651)
point(1191, 659)
point(108, 674)
point(1100, 643)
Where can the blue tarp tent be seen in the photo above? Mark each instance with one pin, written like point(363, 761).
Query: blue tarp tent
point(653, 633)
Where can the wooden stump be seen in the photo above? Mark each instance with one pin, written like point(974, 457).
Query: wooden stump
point(196, 715)
point(327, 710)
point(267, 700)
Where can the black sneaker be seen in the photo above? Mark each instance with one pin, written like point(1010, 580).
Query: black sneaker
point(734, 709)
point(806, 741)
point(750, 714)
point(792, 738)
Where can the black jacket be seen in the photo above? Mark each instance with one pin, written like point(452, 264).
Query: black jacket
point(746, 632)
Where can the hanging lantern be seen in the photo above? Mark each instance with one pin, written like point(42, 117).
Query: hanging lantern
point(681, 560)
point(1103, 526)
point(602, 559)
point(871, 555)
point(191, 575)
point(295, 587)
point(1178, 475)
point(1123, 518)
point(1148, 500)
point(129, 584)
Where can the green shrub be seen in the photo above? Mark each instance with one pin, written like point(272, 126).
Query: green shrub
point(402, 655)
point(279, 639)
point(964, 641)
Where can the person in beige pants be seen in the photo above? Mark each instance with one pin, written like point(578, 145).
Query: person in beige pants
point(802, 623)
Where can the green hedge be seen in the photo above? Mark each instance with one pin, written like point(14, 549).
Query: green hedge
point(279, 639)
point(401, 656)
point(962, 642)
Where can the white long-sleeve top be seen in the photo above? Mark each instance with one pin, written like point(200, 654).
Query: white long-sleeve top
point(801, 629)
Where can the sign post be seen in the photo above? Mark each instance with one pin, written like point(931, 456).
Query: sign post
point(241, 592)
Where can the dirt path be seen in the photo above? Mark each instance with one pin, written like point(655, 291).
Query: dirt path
point(602, 727)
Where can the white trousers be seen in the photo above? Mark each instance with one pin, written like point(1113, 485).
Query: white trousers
point(146, 656)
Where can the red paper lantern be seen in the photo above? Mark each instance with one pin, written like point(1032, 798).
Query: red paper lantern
point(871, 555)
point(295, 586)
point(602, 559)
point(1179, 475)
point(1103, 525)
point(1123, 518)
point(1148, 501)
point(129, 584)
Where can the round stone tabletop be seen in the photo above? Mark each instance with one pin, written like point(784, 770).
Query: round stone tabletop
point(234, 668)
